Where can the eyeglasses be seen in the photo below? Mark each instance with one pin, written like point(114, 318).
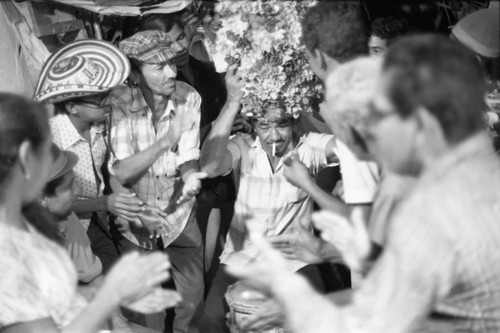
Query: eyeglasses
point(94, 102)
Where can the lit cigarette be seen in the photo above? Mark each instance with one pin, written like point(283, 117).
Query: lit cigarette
point(274, 149)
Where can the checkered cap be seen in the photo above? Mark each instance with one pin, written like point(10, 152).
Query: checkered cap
point(150, 46)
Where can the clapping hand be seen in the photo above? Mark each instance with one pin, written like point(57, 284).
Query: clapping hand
point(136, 275)
point(191, 186)
point(154, 219)
point(125, 205)
point(155, 301)
point(300, 245)
point(350, 237)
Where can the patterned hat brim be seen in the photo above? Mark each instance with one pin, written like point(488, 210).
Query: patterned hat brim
point(110, 59)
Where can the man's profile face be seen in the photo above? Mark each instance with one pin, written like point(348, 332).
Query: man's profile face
point(275, 129)
point(377, 46)
point(390, 137)
point(60, 203)
point(180, 44)
point(159, 78)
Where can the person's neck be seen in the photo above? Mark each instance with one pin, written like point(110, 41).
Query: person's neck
point(11, 207)
point(155, 102)
point(82, 127)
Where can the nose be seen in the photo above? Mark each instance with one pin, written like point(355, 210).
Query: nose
point(170, 71)
point(274, 135)
point(178, 47)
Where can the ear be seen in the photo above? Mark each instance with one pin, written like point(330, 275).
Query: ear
point(72, 108)
point(321, 58)
point(429, 131)
point(25, 155)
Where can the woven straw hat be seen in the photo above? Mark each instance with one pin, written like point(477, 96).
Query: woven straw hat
point(81, 68)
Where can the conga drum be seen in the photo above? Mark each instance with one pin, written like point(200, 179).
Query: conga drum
point(243, 301)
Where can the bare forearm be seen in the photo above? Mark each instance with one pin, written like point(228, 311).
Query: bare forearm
point(95, 314)
point(188, 168)
point(324, 200)
point(129, 169)
point(215, 146)
point(99, 204)
point(296, 296)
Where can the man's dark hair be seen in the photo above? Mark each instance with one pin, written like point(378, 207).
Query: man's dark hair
point(336, 28)
point(163, 22)
point(441, 75)
point(388, 28)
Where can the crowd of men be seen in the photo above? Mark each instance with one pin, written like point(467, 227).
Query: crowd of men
point(167, 163)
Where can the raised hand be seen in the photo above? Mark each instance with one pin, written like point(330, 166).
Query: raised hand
point(350, 237)
point(234, 83)
point(136, 275)
point(180, 124)
point(295, 172)
point(191, 186)
point(125, 205)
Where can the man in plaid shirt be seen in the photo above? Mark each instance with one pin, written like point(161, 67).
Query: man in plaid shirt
point(265, 198)
point(155, 149)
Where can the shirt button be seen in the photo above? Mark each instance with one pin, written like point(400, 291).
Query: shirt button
point(158, 198)
point(157, 176)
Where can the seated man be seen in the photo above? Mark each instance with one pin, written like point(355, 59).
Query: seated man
point(264, 197)
point(439, 271)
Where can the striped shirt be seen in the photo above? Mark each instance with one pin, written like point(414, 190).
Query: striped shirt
point(267, 198)
point(91, 157)
point(132, 131)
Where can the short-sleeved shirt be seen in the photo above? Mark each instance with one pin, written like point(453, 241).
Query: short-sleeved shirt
point(77, 243)
point(91, 157)
point(391, 192)
point(39, 279)
point(132, 131)
point(360, 178)
point(266, 197)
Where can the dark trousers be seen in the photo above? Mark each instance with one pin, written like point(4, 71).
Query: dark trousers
point(216, 308)
point(186, 258)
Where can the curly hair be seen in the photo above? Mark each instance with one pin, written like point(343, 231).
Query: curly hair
point(388, 28)
point(336, 28)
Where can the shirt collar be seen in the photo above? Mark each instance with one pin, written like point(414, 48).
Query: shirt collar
point(72, 136)
point(478, 144)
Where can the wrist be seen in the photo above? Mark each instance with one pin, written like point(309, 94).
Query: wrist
point(286, 283)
